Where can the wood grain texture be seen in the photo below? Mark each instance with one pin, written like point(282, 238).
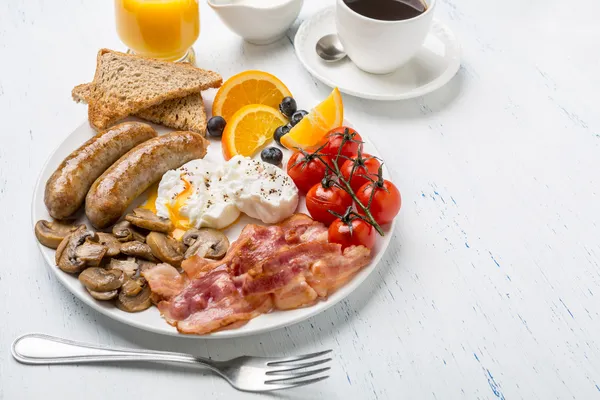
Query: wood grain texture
point(490, 289)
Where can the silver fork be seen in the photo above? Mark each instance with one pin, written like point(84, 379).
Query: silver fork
point(250, 374)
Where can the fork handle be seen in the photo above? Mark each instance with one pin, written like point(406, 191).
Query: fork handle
point(37, 348)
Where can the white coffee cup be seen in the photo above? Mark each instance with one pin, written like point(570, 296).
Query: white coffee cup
point(378, 46)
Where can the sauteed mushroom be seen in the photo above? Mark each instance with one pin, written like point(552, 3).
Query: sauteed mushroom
point(133, 286)
point(91, 253)
point(178, 245)
point(66, 254)
point(206, 242)
point(124, 231)
point(51, 233)
point(112, 244)
point(164, 248)
point(138, 249)
point(139, 302)
point(146, 219)
point(102, 280)
point(103, 296)
point(129, 267)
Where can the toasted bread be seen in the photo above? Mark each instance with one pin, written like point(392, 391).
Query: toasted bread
point(124, 84)
point(82, 93)
point(184, 113)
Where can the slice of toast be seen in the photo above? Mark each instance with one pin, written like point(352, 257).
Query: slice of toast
point(82, 93)
point(125, 84)
point(184, 113)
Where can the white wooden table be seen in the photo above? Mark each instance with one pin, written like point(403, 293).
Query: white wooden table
point(491, 288)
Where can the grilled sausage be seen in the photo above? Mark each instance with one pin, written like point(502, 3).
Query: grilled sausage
point(136, 171)
point(67, 187)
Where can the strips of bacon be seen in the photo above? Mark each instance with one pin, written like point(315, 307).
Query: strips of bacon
point(211, 302)
point(283, 266)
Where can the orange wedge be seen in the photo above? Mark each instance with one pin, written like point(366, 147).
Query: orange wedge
point(248, 87)
point(312, 130)
point(250, 129)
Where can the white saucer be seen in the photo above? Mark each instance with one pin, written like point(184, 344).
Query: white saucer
point(433, 66)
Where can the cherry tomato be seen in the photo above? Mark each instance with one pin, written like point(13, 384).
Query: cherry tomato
point(386, 200)
point(362, 234)
point(366, 165)
point(323, 197)
point(306, 170)
point(336, 137)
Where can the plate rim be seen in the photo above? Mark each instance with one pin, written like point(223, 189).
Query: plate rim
point(432, 86)
point(169, 330)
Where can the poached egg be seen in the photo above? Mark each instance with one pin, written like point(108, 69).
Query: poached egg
point(205, 194)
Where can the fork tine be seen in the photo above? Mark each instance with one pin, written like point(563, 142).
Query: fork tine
point(298, 376)
point(275, 386)
point(299, 366)
point(279, 361)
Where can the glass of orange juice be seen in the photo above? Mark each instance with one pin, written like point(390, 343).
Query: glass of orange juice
point(163, 29)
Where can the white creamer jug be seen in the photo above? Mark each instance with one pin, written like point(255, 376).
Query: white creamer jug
point(258, 21)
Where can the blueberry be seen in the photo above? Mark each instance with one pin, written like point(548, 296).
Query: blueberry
point(287, 106)
point(272, 155)
point(281, 132)
point(215, 126)
point(297, 117)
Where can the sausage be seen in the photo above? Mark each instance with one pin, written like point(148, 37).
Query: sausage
point(67, 187)
point(136, 171)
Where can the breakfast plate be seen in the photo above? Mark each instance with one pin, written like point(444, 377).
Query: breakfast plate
point(150, 319)
point(434, 65)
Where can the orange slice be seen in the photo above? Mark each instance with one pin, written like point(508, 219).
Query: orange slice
point(250, 129)
point(311, 131)
point(248, 87)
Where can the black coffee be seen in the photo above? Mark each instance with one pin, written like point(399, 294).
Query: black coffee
point(388, 10)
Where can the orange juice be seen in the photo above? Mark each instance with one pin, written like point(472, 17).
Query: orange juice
point(164, 29)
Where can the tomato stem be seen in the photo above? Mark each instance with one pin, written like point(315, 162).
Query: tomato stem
point(327, 180)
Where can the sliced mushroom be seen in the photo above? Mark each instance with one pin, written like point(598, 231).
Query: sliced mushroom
point(146, 219)
point(101, 280)
point(103, 295)
point(139, 302)
point(112, 244)
point(178, 245)
point(91, 253)
point(66, 253)
point(206, 242)
point(129, 267)
point(51, 233)
point(125, 232)
point(138, 249)
point(164, 248)
point(133, 286)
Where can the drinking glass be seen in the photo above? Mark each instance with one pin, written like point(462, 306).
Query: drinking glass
point(162, 29)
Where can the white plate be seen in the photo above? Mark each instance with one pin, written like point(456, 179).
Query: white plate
point(433, 66)
point(150, 319)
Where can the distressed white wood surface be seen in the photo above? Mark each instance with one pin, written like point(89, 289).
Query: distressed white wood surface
point(491, 286)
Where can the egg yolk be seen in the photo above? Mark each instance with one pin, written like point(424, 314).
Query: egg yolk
point(150, 204)
point(180, 222)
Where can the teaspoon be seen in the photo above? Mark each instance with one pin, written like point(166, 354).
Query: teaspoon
point(330, 49)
